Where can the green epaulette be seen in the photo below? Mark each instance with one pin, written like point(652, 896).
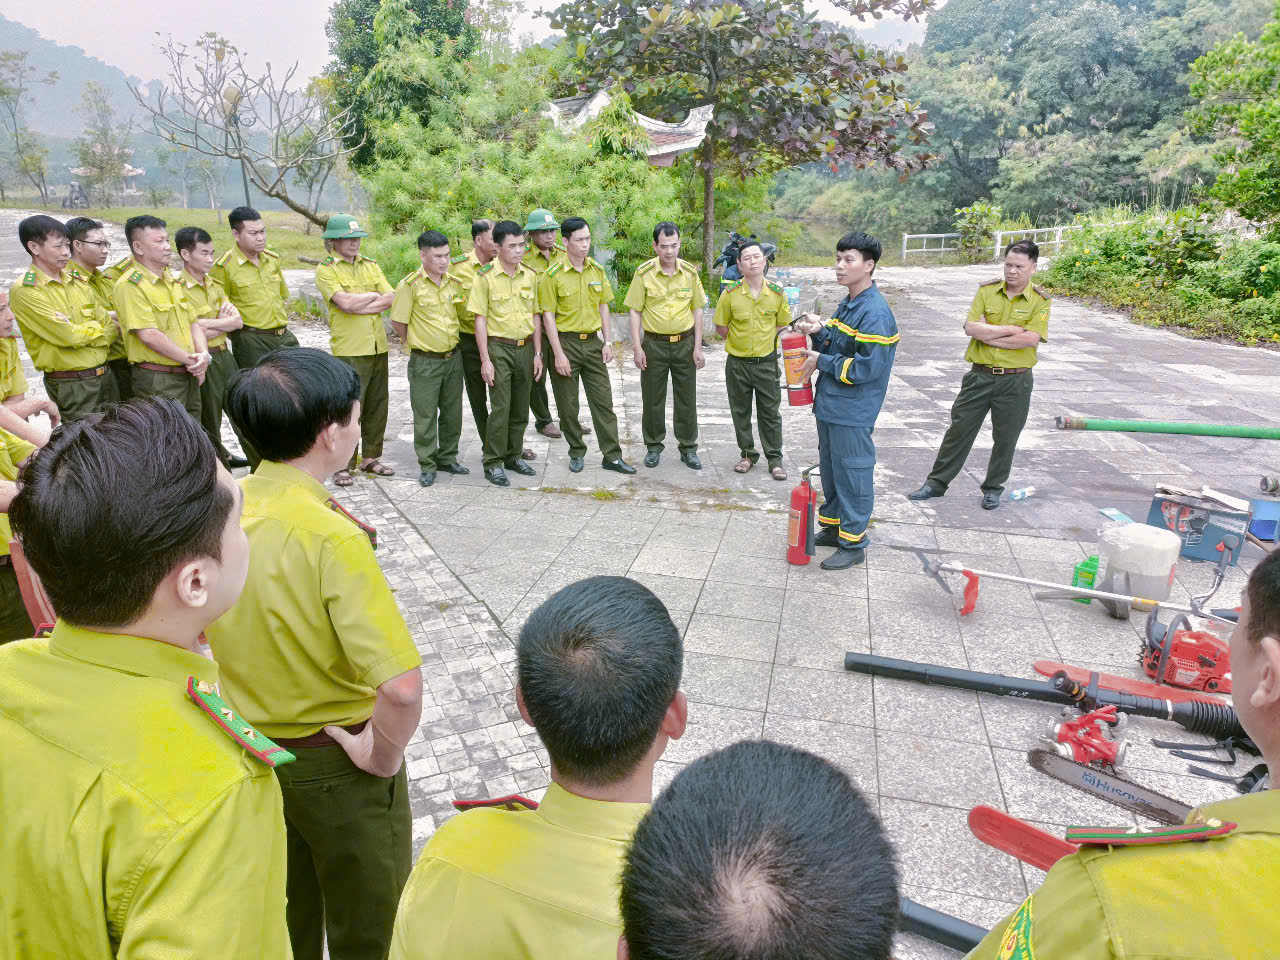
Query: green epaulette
point(485, 268)
point(1141, 836)
point(555, 268)
point(271, 253)
point(121, 263)
point(1041, 290)
point(773, 286)
point(595, 263)
point(987, 283)
point(136, 277)
point(733, 286)
point(454, 277)
point(221, 261)
point(29, 280)
point(686, 265)
point(235, 726)
point(458, 259)
point(326, 261)
point(647, 265)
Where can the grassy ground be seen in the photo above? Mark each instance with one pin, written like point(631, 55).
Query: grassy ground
point(285, 230)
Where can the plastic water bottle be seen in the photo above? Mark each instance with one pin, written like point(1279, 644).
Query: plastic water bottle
point(1022, 494)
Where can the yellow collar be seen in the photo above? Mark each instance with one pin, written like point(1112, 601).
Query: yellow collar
point(137, 655)
point(595, 818)
point(284, 473)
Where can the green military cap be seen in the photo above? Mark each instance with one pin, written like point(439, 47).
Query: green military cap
point(342, 226)
point(541, 219)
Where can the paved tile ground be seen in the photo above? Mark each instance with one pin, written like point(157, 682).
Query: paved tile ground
point(765, 641)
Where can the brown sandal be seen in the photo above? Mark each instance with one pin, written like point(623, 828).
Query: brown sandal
point(343, 478)
point(744, 465)
point(777, 473)
point(377, 468)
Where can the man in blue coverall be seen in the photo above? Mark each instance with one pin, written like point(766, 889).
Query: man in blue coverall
point(853, 354)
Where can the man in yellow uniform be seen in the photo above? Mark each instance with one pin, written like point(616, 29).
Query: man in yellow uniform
point(168, 353)
point(357, 294)
point(542, 248)
point(89, 248)
point(66, 331)
point(574, 296)
point(317, 656)
point(504, 301)
point(425, 316)
point(1009, 318)
point(15, 622)
point(216, 316)
point(666, 300)
point(598, 676)
point(254, 281)
point(749, 315)
point(141, 817)
point(15, 406)
point(1151, 893)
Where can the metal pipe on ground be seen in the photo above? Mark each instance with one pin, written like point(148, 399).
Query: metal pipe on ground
point(937, 926)
point(1160, 426)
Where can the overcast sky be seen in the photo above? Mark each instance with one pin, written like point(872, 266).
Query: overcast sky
point(122, 32)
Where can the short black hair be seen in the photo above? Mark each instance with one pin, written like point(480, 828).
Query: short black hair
point(283, 403)
point(113, 503)
point(1027, 248)
point(866, 245)
point(506, 228)
point(79, 227)
point(748, 244)
point(480, 226)
point(572, 225)
point(188, 237)
point(599, 663)
point(760, 850)
point(38, 229)
point(432, 238)
point(1264, 598)
point(242, 215)
point(665, 228)
point(135, 225)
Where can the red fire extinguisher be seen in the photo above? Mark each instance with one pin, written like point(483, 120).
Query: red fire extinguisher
point(795, 351)
point(804, 507)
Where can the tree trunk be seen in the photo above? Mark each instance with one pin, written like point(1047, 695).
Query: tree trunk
point(293, 205)
point(708, 204)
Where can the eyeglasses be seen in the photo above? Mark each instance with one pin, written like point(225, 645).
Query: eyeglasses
point(104, 244)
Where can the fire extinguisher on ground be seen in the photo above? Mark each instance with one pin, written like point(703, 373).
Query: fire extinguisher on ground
point(795, 351)
point(804, 507)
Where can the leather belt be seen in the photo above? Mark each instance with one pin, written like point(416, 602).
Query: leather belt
point(999, 371)
point(582, 336)
point(84, 374)
point(218, 349)
point(317, 739)
point(669, 337)
point(162, 368)
point(273, 331)
point(432, 354)
point(509, 342)
point(770, 357)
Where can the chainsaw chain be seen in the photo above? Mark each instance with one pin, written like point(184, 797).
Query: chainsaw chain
point(1173, 813)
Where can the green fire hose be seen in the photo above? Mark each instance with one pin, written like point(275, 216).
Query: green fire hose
point(1158, 426)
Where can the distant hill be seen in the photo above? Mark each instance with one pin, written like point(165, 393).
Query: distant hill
point(54, 110)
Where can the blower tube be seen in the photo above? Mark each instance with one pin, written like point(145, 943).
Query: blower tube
point(1159, 426)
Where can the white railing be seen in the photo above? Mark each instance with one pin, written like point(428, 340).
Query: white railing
point(1048, 239)
point(924, 247)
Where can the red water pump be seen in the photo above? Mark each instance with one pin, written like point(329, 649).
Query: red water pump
point(1088, 738)
point(795, 350)
point(804, 507)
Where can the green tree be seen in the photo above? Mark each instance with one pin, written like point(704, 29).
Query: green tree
point(26, 156)
point(786, 89)
point(103, 149)
point(355, 51)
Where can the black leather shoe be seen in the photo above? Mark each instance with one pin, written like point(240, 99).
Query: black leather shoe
point(497, 476)
point(522, 468)
point(426, 478)
point(691, 461)
point(576, 464)
point(843, 559)
point(234, 462)
point(457, 469)
point(618, 466)
point(652, 457)
point(928, 490)
point(829, 537)
point(990, 501)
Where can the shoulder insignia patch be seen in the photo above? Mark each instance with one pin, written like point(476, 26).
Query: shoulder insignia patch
point(987, 283)
point(221, 261)
point(1016, 942)
point(235, 726)
point(685, 265)
point(124, 262)
point(647, 265)
point(554, 268)
point(458, 259)
point(484, 268)
point(510, 802)
point(369, 531)
point(1139, 836)
point(454, 277)
point(773, 286)
point(326, 261)
point(136, 277)
point(595, 263)
point(733, 286)
point(1041, 290)
point(29, 280)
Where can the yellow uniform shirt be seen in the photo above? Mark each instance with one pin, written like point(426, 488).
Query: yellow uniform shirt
point(258, 290)
point(62, 324)
point(1029, 309)
point(540, 263)
point(101, 287)
point(317, 629)
point(13, 381)
point(353, 334)
point(506, 302)
point(429, 310)
point(574, 295)
point(13, 450)
point(1197, 899)
point(521, 885)
point(666, 302)
point(206, 299)
point(145, 301)
point(117, 270)
point(464, 268)
point(134, 827)
point(753, 322)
